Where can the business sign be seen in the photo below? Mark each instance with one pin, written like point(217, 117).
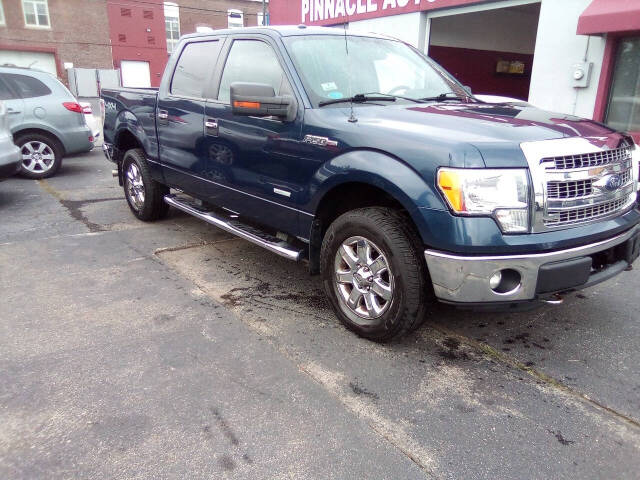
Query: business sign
point(331, 12)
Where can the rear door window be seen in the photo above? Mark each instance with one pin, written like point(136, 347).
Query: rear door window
point(5, 93)
point(192, 70)
point(26, 86)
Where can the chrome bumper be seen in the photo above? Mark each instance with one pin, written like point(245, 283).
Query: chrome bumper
point(465, 279)
point(107, 149)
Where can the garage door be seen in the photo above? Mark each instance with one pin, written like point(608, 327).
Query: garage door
point(135, 74)
point(39, 60)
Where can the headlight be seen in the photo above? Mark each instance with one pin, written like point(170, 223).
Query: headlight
point(500, 193)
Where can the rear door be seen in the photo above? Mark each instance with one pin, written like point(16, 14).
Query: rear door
point(180, 116)
point(12, 101)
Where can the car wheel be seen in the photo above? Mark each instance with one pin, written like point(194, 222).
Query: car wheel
point(144, 195)
point(374, 274)
point(41, 155)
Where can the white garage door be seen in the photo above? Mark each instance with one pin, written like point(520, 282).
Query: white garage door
point(135, 74)
point(39, 60)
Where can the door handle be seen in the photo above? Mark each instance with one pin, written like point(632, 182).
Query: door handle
point(11, 111)
point(211, 127)
point(163, 115)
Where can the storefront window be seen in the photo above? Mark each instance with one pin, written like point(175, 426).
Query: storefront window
point(623, 111)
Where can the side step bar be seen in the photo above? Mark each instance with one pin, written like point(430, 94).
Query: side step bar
point(237, 228)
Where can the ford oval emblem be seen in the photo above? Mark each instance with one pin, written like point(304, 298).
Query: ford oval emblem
point(614, 182)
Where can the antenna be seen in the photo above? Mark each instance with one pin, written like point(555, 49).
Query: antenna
point(352, 117)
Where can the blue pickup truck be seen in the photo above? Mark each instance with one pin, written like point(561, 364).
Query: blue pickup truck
point(363, 157)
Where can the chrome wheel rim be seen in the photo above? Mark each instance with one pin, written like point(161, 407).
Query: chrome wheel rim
point(363, 279)
point(134, 186)
point(37, 157)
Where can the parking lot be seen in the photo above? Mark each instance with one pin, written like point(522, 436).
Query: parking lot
point(174, 350)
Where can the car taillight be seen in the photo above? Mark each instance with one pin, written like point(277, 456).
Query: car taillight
point(72, 107)
point(87, 110)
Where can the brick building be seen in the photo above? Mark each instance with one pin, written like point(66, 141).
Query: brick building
point(134, 36)
point(217, 14)
point(144, 32)
point(49, 34)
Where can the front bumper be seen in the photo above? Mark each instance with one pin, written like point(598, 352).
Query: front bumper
point(465, 279)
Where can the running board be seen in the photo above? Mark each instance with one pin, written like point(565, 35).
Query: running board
point(237, 228)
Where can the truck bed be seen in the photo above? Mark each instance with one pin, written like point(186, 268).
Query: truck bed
point(134, 107)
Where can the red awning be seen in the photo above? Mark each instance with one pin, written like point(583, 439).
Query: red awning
point(606, 16)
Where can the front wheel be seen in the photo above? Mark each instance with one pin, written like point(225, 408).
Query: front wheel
point(374, 274)
point(144, 195)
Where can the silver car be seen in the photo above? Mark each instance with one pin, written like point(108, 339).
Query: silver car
point(46, 120)
point(10, 158)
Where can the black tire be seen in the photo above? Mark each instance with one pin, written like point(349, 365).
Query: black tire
point(391, 233)
point(151, 205)
point(41, 147)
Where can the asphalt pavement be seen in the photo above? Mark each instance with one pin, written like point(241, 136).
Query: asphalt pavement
point(174, 350)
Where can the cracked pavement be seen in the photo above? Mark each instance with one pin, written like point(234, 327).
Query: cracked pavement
point(174, 350)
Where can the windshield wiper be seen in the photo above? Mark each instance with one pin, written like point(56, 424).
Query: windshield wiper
point(359, 98)
point(444, 96)
point(369, 97)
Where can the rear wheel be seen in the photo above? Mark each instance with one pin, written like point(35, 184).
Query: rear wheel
point(374, 274)
point(144, 195)
point(41, 155)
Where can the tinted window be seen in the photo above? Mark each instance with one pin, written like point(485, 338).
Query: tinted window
point(193, 67)
point(5, 93)
point(251, 61)
point(27, 87)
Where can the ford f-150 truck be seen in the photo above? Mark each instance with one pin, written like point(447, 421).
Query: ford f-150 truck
point(362, 156)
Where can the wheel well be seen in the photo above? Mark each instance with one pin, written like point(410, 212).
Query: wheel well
point(39, 131)
point(126, 141)
point(339, 200)
point(123, 142)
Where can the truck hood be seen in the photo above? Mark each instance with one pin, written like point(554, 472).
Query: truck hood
point(494, 131)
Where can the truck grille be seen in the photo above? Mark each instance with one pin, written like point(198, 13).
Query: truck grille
point(580, 180)
point(595, 159)
point(579, 215)
point(571, 189)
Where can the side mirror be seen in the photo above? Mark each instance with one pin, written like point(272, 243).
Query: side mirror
point(260, 100)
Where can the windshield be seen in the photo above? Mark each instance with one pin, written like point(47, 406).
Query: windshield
point(373, 65)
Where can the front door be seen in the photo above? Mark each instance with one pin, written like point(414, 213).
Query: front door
point(255, 158)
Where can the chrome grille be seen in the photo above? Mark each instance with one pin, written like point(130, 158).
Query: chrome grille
point(585, 160)
point(570, 189)
point(580, 215)
point(579, 180)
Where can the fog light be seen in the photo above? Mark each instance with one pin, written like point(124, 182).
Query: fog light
point(494, 281)
point(505, 282)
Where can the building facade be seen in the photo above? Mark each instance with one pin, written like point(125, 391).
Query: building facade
point(579, 57)
point(53, 35)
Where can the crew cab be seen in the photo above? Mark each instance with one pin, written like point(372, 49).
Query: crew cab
point(362, 156)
